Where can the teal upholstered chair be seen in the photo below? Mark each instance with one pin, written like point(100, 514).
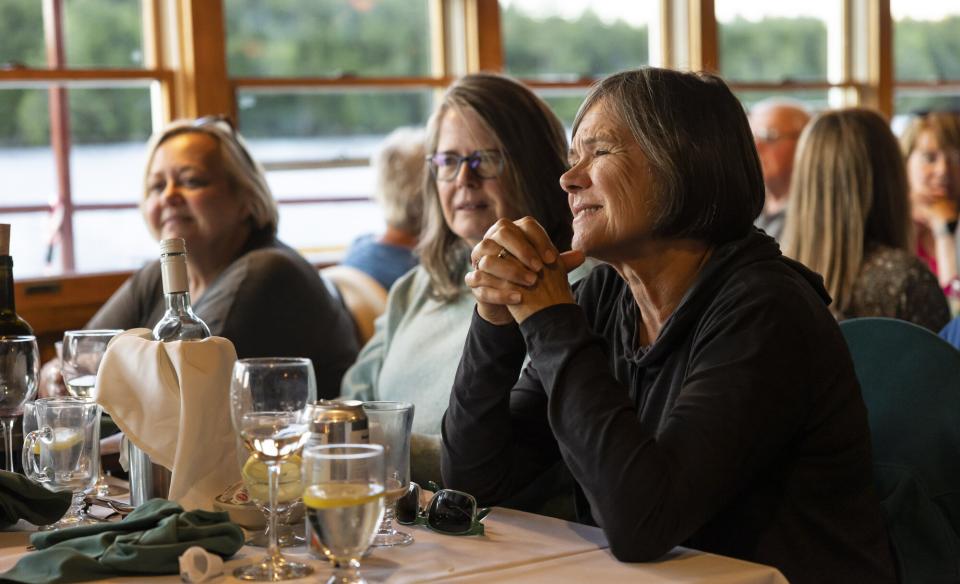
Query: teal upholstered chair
point(910, 380)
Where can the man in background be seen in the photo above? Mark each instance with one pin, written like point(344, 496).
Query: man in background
point(776, 125)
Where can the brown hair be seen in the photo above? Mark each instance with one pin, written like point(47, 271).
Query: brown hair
point(695, 134)
point(534, 147)
point(848, 191)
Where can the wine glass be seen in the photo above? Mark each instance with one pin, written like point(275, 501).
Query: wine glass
point(80, 358)
point(289, 502)
point(344, 500)
point(268, 398)
point(390, 424)
point(81, 354)
point(19, 372)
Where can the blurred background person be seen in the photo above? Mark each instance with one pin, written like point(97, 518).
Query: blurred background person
point(848, 220)
point(201, 184)
point(931, 147)
point(400, 168)
point(495, 151)
point(776, 124)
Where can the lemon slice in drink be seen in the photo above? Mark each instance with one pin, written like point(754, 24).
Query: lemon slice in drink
point(330, 495)
point(65, 438)
point(254, 474)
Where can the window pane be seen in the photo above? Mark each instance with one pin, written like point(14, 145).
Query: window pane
point(109, 130)
point(815, 99)
point(21, 34)
point(564, 103)
point(546, 40)
point(907, 101)
point(29, 237)
point(323, 230)
point(328, 124)
point(774, 41)
point(26, 160)
point(322, 183)
point(327, 37)
point(112, 240)
point(103, 33)
point(926, 40)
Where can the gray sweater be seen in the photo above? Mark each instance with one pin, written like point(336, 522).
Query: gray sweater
point(270, 302)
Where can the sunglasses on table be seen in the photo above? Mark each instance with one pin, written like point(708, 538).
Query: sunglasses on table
point(450, 512)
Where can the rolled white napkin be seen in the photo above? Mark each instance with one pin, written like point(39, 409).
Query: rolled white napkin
point(173, 401)
point(199, 565)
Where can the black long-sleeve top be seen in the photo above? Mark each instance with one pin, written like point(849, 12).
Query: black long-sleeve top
point(740, 431)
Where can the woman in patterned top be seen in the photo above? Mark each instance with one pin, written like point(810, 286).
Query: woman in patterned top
point(849, 220)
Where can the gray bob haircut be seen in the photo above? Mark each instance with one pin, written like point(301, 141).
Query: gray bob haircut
point(401, 170)
point(244, 174)
point(695, 134)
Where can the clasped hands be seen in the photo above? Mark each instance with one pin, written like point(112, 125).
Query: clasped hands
point(519, 272)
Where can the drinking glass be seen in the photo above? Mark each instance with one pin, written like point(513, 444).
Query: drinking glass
point(344, 501)
point(62, 452)
point(268, 398)
point(19, 372)
point(289, 497)
point(81, 353)
point(390, 424)
point(80, 357)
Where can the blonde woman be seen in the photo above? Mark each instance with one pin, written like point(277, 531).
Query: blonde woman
point(849, 220)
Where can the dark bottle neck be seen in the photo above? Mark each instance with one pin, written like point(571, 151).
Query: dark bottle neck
point(6, 286)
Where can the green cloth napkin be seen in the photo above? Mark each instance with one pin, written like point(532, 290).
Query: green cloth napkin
point(148, 541)
point(21, 498)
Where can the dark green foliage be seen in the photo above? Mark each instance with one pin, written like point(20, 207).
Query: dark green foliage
point(390, 38)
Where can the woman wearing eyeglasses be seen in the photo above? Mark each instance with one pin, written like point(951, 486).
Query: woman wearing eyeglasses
point(202, 185)
point(496, 151)
point(697, 387)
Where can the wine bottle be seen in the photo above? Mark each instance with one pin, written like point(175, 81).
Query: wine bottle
point(11, 325)
point(179, 322)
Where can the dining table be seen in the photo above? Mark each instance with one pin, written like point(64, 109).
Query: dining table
point(516, 547)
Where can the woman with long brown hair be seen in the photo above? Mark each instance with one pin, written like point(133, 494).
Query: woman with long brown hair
point(849, 221)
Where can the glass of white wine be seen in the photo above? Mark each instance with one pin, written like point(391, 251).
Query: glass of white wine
point(81, 354)
point(80, 357)
point(344, 496)
point(268, 398)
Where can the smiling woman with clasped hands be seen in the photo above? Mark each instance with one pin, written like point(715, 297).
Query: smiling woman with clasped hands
point(696, 387)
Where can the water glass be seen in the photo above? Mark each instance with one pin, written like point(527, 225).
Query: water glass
point(19, 372)
point(344, 500)
point(390, 424)
point(63, 452)
point(80, 357)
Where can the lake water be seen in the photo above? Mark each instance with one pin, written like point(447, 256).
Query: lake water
point(113, 173)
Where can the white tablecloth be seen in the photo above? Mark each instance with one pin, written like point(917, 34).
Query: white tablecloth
point(517, 547)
